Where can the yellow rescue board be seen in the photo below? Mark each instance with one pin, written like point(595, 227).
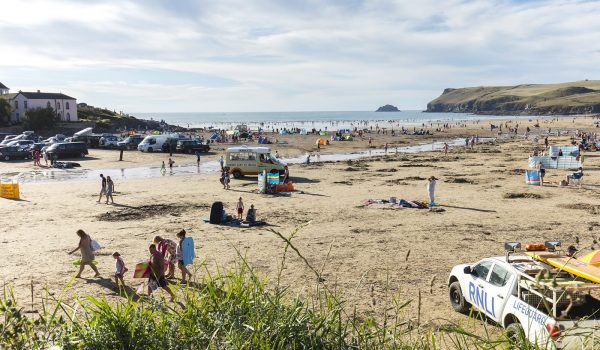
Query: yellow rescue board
point(570, 265)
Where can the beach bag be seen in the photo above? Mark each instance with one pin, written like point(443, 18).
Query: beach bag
point(216, 213)
point(95, 245)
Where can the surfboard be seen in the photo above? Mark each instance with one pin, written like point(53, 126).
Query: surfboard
point(570, 265)
point(187, 250)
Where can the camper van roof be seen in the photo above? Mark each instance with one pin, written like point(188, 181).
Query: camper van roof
point(249, 149)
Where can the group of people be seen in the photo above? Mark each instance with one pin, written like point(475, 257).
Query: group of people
point(37, 157)
point(107, 189)
point(164, 255)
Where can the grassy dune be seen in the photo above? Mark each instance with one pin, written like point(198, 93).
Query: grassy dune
point(578, 97)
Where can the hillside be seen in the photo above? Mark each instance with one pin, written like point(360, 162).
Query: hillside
point(108, 121)
point(578, 97)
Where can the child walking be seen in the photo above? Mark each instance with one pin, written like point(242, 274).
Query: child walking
point(120, 269)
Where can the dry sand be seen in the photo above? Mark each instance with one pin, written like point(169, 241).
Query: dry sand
point(363, 251)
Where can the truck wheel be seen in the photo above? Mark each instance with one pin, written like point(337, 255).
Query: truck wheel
point(6, 158)
point(516, 334)
point(237, 174)
point(459, 304)
point(189, 151)
point(82, 155)
point(150, 149)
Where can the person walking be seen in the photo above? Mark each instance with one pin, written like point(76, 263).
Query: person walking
point(171, 162)
point(120, 270)
point(157, 272)
point(163, 168)
point(87, 254)
point(185, 273)
point(103, 188)
point(240, 209)
point(168, 249)
point(221, 161)
point(446, 148)
point(198, 158)
point(542, 171)
point(226, 179)
point(46, 158)
point(37, 158)
point(110, 187)
point(431, 190)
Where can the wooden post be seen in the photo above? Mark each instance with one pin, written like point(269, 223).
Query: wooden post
point(419, 311)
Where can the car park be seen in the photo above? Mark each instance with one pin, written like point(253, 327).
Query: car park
point(191, 146)
point(13, 152)
point(67, 150)
point(535, 301)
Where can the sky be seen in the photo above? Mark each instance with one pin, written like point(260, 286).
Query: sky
point(290, 55)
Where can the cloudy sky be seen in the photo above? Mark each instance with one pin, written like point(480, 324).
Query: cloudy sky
point(290, 55)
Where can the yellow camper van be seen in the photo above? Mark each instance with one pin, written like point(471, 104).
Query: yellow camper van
point(246, 160)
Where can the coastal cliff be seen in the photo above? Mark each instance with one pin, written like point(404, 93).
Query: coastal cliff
point(581, 97)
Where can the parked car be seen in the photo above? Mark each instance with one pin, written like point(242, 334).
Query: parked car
point(131, 142)
point(152, 143)
point(8, 138)
point(23, 144)
point(108, 141)
point(172, 142)
point(191, 146)
point(67, 149)
point(91, 140)
point(36, 147)
point(13, 152)
point(244, 160)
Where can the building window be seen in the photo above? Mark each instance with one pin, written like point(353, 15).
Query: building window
point(16, 104)
point(57, 105)
point(25, 104)
point(67, 105)
point(17, 117)
point(48, 105)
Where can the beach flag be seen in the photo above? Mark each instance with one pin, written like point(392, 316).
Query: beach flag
point(532, 177)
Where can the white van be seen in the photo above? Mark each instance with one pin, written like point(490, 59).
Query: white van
point(153, 143)
point(246, 160)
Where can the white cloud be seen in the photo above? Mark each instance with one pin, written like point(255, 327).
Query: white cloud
point(294, 55)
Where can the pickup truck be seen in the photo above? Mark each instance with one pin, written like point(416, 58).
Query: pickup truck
point(533, 301)
point(191, 146)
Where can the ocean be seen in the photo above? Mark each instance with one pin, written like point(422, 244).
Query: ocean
point(309, 120)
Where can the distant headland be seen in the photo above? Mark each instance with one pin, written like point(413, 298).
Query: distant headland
point(580, 97)
point(387, 108)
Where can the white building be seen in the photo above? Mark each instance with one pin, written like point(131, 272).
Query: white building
point(64, 106)
point(3, 89)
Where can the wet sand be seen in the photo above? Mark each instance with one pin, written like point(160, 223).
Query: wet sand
point(367, 253)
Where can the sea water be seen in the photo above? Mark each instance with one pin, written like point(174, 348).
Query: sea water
point(332, 120)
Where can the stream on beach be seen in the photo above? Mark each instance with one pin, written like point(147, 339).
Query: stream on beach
point(213, 166)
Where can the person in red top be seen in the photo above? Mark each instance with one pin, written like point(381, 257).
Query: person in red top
point(157, 273)
point(167, 248)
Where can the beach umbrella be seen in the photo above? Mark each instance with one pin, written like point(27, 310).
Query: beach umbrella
point(592, 258)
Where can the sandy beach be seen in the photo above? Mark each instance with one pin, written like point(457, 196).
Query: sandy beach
point(366, 252)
